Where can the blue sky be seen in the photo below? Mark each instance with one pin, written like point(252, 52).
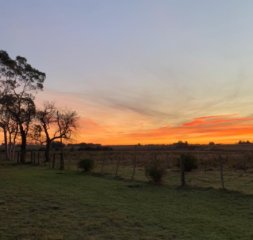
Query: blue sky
point(151, 63)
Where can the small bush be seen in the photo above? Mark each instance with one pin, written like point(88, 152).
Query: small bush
point(86, 165)
point(155, 171)
point(190, 161)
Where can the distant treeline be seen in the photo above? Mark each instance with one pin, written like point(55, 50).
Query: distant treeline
point(180, 145)
point(57, 146)
point(88, 147)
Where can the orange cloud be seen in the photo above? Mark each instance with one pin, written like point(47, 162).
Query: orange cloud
point(222, 128)
point(89, 126)
point(105, 123)
point(200, 130)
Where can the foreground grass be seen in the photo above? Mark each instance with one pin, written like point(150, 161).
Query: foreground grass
point(37, 203)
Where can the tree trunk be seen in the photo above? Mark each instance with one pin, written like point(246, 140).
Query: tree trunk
point(62, 167)
point(23, 146)
point(7, 157)
point(47, 152)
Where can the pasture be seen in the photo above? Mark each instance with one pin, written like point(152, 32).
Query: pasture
point(237, 167)
point(41, 203)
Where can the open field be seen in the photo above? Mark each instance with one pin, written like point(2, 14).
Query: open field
point(128, 165)
point(238, 167)
point(38, 203)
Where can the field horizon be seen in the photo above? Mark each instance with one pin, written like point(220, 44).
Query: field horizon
point(126, 120)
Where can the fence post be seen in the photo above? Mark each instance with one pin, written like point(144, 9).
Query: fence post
point(155, 156)
point(246, 157)
point(103, 163)
point(61, 161)
point(38, 158)
point(18, 156)
point(53, 162)
point(34, 157)
point(167, 158)
point(221, 172)
point(31, 157)
point(117, 165)
point(134, 164)
point(182, 171)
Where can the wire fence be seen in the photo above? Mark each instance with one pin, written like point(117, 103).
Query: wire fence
point(232, 170)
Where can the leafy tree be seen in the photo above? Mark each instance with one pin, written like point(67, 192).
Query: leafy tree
point(10, 131)
point(19, 84)
point(22, 111)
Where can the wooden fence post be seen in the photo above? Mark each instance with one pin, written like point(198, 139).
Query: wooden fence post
point(38, 158)
point(31, 156)
point(182, 171)
point(167, 158)
point(53, 162)
point(18, 157)
point(134, 164)
point(103, 163)
point(117, 165)
point(61, 161)
point(34, 157)
point(221, 171)
point(247, 158)
point(155, 156)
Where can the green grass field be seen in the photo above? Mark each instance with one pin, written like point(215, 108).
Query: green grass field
point(37, 203)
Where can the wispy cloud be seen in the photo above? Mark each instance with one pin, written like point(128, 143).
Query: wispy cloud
point(202, 128)
point(122, 120)
point(221, 128)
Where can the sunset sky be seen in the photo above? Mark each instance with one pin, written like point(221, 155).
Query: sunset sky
point(141, 71)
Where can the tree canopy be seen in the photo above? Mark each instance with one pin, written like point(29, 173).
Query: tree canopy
point(19, 83)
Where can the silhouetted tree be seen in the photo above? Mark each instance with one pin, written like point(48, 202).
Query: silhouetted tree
point(19, 84)
point(22, 111)
point(55, 125)
point(10, 131)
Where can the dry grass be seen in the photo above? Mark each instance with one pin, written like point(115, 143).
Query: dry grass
point(207, 175)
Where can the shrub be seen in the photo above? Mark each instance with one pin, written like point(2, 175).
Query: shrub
point(86, 165)
point(155, 171)
point(190, 161)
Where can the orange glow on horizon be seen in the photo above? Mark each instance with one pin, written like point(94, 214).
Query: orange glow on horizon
point(219, 129)
point(105, 124)
point(201, 130)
